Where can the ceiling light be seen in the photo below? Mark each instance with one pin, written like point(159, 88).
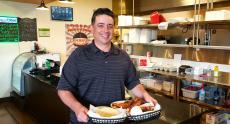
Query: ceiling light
point(66, 1)
point(42, 6)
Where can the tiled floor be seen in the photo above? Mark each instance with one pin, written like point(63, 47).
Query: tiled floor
point(10, 114)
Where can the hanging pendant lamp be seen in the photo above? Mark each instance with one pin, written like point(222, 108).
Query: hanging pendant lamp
point(66, 1)
point(42, 6)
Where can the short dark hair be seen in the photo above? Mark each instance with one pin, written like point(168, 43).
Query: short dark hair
point(101, 11)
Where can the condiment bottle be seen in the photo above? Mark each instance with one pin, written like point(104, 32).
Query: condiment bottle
point(216, 71)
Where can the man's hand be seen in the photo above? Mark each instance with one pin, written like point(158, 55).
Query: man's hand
point(139, 91)
point(68, 99)
point(81, 114)
point(149, 98)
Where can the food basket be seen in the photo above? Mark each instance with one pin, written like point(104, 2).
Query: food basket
point(107, 121)
point(146, 116)
point(97, 118)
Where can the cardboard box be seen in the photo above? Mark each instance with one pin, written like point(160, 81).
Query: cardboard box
point(167, 86)
point(214, 118)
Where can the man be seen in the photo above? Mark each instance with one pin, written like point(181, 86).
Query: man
point(98, 73)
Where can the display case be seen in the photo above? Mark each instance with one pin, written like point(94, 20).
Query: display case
point(23, 61)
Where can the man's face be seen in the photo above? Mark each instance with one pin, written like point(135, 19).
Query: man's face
point(102, 29)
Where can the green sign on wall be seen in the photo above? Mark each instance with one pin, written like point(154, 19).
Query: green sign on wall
point(9, 30)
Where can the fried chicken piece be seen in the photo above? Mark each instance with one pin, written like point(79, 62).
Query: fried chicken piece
point(123, 105)
point(137, 102)
point(147, 108)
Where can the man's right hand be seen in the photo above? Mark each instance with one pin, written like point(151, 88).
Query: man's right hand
point(82, 114)
point(80, 111)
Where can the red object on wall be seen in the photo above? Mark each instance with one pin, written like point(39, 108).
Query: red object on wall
point(142, 62)
point(156, 18)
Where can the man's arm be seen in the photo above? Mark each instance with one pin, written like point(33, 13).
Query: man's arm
point(68, 99)
point(139, 91)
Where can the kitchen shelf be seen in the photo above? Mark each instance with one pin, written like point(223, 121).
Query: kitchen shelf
point(226, 23)
point(166, 93)
point(161, 45)
point(223, 80)
point(211, 47)
point(171, 74)
point(196, 101)
point(181, 46)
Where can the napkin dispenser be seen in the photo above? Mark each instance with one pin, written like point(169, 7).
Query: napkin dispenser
point(182, 69)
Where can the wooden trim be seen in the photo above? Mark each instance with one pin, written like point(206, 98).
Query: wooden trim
point(32, 1)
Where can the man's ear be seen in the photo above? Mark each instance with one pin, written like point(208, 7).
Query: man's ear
point(91, 28)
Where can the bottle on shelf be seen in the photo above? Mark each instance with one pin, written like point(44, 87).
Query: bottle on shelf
point(148, 58)
point(216, 97)
point(202, 93)
point(216, 71)
point(209, 71)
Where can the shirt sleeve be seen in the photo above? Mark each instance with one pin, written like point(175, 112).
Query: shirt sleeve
point(70, 74)
point(132, 76)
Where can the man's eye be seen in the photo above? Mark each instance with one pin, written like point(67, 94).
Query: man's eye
point(100, 26)
point(110, 26)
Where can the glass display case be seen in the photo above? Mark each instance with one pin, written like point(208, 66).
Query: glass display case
point(23, 61)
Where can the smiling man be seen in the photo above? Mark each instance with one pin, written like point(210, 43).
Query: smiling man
point(98, 73)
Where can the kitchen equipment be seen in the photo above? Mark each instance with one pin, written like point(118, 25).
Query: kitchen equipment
point(156, 18)
point(189, 41)
point(182, 69)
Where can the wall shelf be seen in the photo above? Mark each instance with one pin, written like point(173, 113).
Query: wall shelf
point(201, 23)
point(161, 92)
point(196, 101)
point(181, 46)
point(222, 81)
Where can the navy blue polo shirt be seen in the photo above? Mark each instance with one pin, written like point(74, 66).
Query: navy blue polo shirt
point(96, 77)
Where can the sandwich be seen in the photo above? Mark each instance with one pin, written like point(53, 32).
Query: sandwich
point(105, 111)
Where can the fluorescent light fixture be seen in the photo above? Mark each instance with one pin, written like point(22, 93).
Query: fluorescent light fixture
point(66, 1)
point(42, 6)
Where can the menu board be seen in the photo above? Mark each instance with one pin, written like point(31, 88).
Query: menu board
point(9, 30)
point(27, 29)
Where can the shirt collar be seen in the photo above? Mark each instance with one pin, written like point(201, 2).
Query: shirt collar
point(113, 50)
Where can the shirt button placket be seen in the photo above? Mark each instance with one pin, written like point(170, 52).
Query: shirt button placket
point(106, 70)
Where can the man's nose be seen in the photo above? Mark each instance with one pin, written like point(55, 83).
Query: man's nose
point(106, 28)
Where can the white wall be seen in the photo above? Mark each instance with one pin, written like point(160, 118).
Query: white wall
point(55, 43)
point(6, 59)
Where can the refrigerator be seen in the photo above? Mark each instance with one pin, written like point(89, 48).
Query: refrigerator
point(24, 61)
